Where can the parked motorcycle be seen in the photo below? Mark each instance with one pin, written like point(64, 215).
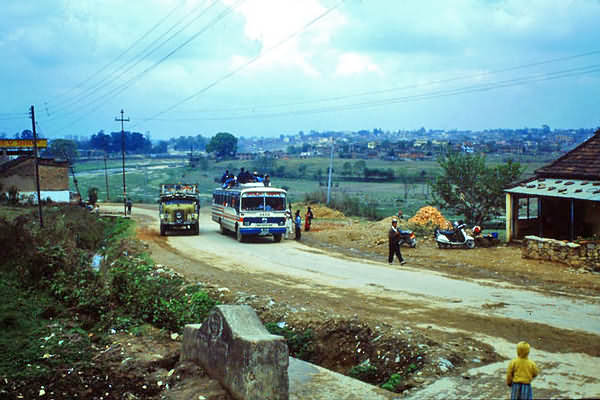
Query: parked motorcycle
point(407, 237)
point(457, 237)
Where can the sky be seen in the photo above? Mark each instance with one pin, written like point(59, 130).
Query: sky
point(273, 67)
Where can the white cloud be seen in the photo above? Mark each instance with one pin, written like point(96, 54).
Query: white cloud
point(275, 23)
point(355, 64)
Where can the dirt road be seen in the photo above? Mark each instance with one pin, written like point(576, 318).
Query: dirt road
point(563, 330)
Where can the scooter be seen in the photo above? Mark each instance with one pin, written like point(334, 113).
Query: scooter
point(458, 237)
point(408, 237)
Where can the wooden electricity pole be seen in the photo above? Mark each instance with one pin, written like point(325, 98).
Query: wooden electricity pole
point(37, 168)
point(123, 156)
point(106, 178)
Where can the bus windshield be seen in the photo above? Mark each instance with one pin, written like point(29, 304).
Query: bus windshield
point(270, 202)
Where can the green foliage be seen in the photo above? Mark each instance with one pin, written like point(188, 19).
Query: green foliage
point(347, 204)
point(265, 165)
point(471, 188)
point(364, 371)
point(223, 144)
point(300, 344)
point(68, 236)
point(30, 344)
point(156, 299)
point(62, 148)
point(393, 382)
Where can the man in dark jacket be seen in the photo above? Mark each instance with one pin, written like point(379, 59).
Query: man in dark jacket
point(394, 236)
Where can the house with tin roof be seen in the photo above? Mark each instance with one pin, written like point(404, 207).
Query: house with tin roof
point(562, 200)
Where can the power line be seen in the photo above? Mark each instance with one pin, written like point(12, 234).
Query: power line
point(119, 89)
point(121, 55)
point(417, 97)
point(136, 59)
point(250, 62)
point(406, 87)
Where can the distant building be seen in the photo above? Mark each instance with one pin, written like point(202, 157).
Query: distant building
point(20, 173)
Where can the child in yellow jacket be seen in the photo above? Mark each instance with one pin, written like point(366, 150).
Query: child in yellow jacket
point(520, 373)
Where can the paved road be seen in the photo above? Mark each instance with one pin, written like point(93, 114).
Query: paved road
point(292, 259)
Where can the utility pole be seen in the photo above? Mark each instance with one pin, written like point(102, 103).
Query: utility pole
point(330, 171)
point(37, 168)
point(106, 178)
point(123, 156)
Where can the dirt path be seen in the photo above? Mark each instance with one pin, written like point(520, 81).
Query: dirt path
point(563, 330)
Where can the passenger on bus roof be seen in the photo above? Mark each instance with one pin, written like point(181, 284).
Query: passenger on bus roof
point(229, 182)
point(267, 180)
point(257, 177)
point(225, 176)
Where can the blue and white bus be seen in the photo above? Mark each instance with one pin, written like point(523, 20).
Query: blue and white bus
point(250, 209)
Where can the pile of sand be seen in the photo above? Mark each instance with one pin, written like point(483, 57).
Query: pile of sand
point(430, 216)
point(320, 211)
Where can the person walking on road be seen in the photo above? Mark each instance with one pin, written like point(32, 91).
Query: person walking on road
point(394, 243)
point(520, 373)
point(129, 205)
point(298, 222)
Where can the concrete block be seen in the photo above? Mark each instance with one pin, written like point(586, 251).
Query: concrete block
point(235, 348)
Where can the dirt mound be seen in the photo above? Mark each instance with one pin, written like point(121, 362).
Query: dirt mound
point(321, 211)
point(430, 216)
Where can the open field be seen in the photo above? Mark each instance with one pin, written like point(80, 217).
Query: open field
point(144, 175)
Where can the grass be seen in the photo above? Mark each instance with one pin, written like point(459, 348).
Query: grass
point(143, 178)
point(32, 342)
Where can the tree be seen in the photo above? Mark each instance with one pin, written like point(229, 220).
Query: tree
point(100, 141)
point(302, 170)
point(63, 148)
point(359, 166)
point(161, 147)
point(223, 144)
point(470, 188)
point(26, 134)
point(347, 168)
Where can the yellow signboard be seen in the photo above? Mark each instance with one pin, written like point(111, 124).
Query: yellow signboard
point(22, 143)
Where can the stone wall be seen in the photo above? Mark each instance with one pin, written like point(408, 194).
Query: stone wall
point(585, 254)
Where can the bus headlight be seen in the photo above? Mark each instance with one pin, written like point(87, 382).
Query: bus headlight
point(246, 222)
point(282, 222)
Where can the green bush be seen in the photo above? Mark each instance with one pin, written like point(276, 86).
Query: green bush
point(347, 204)
point(300, 344)
point(364, 371)
point(138, 291)
point(393, 382)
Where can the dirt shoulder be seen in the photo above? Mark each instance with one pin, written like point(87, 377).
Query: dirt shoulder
point(502, 263)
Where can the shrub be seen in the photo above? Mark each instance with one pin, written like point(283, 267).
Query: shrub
point(145, 295)
point(393, 383)
point(347, 204)
point(364, 371)
point(300, 344)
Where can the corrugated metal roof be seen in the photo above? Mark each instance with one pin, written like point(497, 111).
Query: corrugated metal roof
point(565, 188)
